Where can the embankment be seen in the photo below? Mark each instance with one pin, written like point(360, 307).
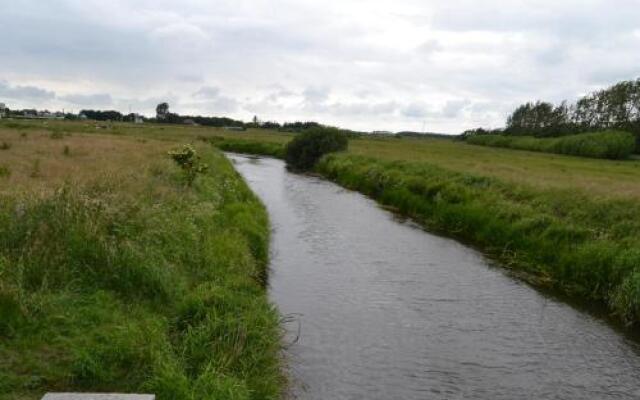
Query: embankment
point(136, 283)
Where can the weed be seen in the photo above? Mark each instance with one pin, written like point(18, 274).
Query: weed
point(35, 169)
point(56, 135)
point(5, 146)
point(189, 160)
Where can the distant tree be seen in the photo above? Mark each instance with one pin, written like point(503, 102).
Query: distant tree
point(270, 125)
point(305, 150)
point(162, 110)
point(98, 115)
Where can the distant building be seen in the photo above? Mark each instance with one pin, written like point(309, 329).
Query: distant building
point(137, 119)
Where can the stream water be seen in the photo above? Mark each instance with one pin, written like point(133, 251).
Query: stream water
point(382, 309)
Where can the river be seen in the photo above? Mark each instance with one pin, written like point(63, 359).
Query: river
point(382, 309)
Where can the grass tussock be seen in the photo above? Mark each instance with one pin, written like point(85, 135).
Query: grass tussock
point(584, 246)
point(610, 145)
point(133, 282)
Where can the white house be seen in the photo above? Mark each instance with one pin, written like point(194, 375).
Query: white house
point(137, 119)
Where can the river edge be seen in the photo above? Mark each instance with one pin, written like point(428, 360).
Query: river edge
point(389, 190)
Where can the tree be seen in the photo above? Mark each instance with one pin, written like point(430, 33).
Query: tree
point(305, 150)
point(161, 111)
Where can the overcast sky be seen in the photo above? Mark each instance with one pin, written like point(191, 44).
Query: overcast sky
point(370, 65)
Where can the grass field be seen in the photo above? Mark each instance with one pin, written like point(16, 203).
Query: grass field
point(115, 276)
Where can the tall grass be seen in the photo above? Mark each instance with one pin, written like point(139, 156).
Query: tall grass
point(611, 144)
point(560, 238)
point(159, 289)
point(276, 150)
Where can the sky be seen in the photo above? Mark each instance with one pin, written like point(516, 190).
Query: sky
point(438, 66)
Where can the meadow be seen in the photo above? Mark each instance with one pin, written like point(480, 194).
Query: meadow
point(116, 276)
point(565, 223)
point(613, 145)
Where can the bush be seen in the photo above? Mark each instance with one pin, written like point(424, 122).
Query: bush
point(188, 159)
point(5, 146)
point(613, 145)
point(305, 150)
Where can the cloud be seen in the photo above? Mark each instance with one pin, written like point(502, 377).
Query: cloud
point(316, 95)
point(25, 92)
point(87, 100)
point(383, 66)
point(207, 92)
point(209, 99)
point(453, 108)
point(416, 110)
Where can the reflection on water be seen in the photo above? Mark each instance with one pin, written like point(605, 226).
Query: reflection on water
point(386, 311)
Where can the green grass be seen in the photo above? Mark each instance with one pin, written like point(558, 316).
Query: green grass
point(276, 150)
point(133, 282)
point(611, 144)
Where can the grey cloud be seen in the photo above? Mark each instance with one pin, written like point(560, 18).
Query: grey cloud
point(85, 100)
point(25, 92)
point(316, 95)
point(452, 108)
point(416, 110)
point(207, 92)
point(209, 99)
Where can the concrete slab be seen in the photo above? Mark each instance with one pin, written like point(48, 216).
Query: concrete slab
point(97, 396)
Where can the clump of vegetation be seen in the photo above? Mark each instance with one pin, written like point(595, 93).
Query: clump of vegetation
point(56, 134)
point(5, 146)
point(5, 172)
point(584, 246)
point(304, 151)
point(97, 294)
point(188, 159)
point(35, 169)
point(66, 151)
point(613, 145)
point(248, 146)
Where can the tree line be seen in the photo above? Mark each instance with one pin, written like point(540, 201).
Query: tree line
point(616, 107)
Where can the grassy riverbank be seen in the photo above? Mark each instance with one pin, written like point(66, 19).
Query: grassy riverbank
point(562, 222)
point(115, 276)
point(584, 246)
